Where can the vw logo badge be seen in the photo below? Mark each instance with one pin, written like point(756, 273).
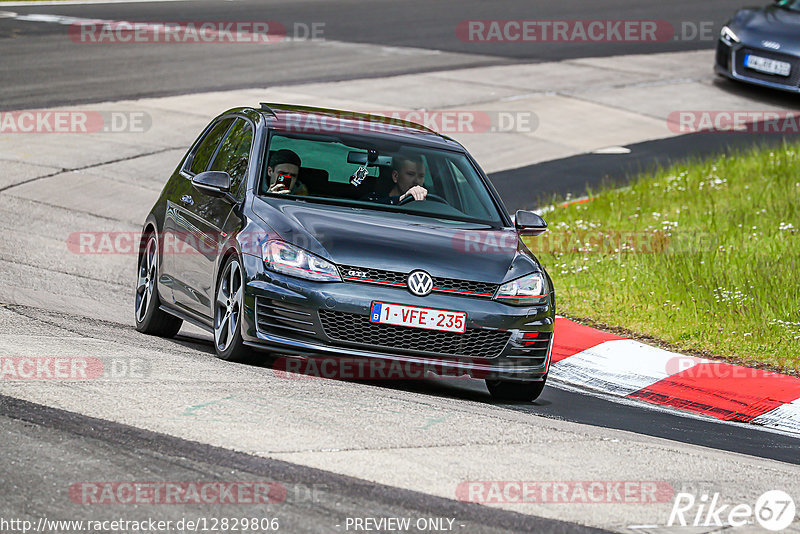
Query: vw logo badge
point(420, 283)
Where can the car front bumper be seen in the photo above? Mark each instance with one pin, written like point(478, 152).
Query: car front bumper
point(729, 65)
point(300, 318)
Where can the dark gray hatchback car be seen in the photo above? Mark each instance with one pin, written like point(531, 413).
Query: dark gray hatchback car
point(313, 233)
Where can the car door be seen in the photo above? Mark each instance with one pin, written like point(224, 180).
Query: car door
point(207, 214)
point(180, 235)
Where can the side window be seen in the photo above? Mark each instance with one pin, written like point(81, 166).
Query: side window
point(208, 145)
point(234, 153)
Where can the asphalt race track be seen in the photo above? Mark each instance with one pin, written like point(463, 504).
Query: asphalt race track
point(38, 70)
point(336, 450)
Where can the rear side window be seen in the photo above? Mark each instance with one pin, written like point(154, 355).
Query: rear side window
point(234, 153)
point(208, 146)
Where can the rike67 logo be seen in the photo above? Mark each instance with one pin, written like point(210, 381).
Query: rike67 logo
point(774, 510)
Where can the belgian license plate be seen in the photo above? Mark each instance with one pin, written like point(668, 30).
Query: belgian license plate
point(415, 317)
point(768, 66)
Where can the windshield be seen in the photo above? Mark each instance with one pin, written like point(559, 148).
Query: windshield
point(376, 174)
point(792, 5)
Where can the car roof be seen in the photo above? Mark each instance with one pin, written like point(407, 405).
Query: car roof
point(329, 120)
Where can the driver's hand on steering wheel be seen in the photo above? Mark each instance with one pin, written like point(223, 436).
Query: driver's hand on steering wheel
point(417, 192)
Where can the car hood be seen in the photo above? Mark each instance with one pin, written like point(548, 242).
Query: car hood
point(398, 241)
point(772, 24)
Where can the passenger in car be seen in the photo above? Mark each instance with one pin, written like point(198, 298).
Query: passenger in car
point(287, 163)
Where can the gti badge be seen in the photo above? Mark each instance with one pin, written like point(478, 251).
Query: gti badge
point(771, 44)
point(420, 283)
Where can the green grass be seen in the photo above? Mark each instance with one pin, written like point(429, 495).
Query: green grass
point(703, 256)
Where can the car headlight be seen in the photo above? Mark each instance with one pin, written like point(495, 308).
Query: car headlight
point(728, 36)
point(523, 291)
point(285, 258)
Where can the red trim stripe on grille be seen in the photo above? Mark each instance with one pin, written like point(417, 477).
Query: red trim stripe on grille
point(395, 284)
point(373, 281)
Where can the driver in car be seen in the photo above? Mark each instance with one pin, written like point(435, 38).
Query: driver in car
point(408, 175)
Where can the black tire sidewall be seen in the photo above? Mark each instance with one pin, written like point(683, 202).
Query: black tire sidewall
point(154, 303)
point(156, 321)
point(236, 351)
point(516, 391)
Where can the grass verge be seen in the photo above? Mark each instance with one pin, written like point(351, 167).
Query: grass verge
point(703, 256)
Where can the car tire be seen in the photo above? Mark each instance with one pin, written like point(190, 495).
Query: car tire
point(228, 312)
point(150, 318)
point(515, 391)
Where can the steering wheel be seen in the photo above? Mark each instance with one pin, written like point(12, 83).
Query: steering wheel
point(430, 196)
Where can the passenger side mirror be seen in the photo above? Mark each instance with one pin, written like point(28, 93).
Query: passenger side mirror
point(529, 224)
point(214, 183)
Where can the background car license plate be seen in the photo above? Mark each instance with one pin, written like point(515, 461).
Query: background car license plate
point(399, 315)
point(769, 66)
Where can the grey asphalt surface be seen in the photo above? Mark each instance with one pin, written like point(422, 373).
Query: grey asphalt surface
point(91, 451)
point(226, 422)
point(535, 186)
point(40, 66)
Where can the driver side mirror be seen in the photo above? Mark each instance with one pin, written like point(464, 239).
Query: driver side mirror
point(214, 183)
point(529, 223)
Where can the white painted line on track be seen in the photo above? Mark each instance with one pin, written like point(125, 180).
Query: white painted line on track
point(786, 417)
point(613, 150)
point(55, 19)
point(83, 2)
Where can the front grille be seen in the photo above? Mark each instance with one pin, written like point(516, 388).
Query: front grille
point(467, 288)
point(464, 286)
point(363, 274)
point(277, 317)
point(793, 80)
point(357, 330)
point(534, 353)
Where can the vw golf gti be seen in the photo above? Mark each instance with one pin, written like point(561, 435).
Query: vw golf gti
point(308, 232)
